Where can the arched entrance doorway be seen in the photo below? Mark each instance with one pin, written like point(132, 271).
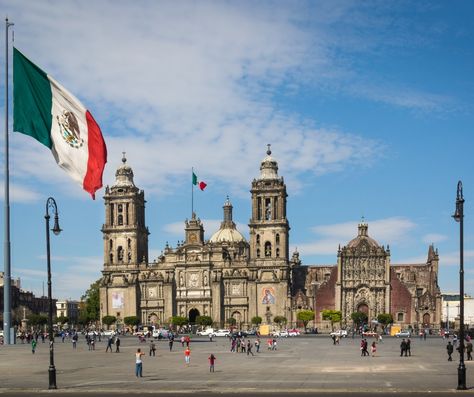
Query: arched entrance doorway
point(426, 320)
point(363, 308)
point(153, 319)
point(193, 313)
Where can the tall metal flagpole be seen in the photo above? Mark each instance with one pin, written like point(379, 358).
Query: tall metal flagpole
point(7, 310)
point(192, 192)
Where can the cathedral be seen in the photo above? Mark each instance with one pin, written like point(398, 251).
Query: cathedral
point(229, 277)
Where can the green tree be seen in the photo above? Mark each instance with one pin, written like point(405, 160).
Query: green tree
point(231, 321)
point(131, 321)
point(257, 320)
point(280, 320)
point(385, 319)
point(109, 320)
point(334, 316)
point(179, 321)
point(91, 301)
point(37, 319)
point(205, 321)
point(305, 316)
point(359, 318)
point(62, 320)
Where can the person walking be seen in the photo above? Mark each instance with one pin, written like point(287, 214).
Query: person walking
point(408, 348)
point(187, 356)
point(138, 363)
point(93, 344)
point(33, 346)
point(274, 344)
point(373, 348)
point(469, 350)
point(403, 348)
point(182, 341)
point(450, 349)
point(170, 343)
point(257, 345)
point(117, 344)
point(249, 348)
point(74, 341)
point(212, 360)
point(152, 348)
point(110, 341)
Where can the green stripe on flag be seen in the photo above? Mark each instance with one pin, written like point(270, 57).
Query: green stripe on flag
point(195, 179)
point(32, 100)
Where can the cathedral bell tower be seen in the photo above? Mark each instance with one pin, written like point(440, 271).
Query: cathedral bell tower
point(269, 228)
point(124, 231)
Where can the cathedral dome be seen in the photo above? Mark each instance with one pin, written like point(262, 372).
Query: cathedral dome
point(361, 237)
point(269, 167)
point(124, 175)
point(227, 232)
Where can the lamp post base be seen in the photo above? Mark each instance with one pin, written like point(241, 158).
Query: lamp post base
point(52, 377)
point(462, 377)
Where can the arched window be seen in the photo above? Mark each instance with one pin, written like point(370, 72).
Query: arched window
point(277, 239)
point(129, 257)
point(129, 244)
point(258, 239)
point(258, 252)
point(277, 252)
point(120, 208)
point(120, 253)
point(111, 244)
point(111, 258)
point(268, 249)
point(120, 220)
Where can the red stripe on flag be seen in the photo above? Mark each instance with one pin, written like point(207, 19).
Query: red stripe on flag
point(97, 157)
point(202, 185)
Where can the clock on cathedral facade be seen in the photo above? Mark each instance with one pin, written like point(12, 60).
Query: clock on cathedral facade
point(229, 277)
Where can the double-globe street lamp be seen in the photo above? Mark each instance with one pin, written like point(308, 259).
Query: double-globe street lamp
point(459, 217)
point(51, 203)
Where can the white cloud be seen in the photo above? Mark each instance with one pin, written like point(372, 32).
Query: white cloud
point(389, 230)
point(434, 238)
point(195, 84)
point(71, 276)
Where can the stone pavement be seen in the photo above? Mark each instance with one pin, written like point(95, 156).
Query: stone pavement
point(301, 364)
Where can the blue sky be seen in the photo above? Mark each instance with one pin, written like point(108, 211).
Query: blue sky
point(368, 107)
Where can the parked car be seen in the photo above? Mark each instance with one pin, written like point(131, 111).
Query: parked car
point(342, 333)
point(160, 333)
point(108, 332)
point(403, 334)
point(221, 332)
point(281, 334)
point(293, 332)
point(370, 334)
point(206, 332)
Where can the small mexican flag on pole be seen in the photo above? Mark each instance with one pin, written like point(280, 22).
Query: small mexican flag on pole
point(202, 185)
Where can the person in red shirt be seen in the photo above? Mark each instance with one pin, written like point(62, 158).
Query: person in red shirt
point(212, 360)
point(187, 355)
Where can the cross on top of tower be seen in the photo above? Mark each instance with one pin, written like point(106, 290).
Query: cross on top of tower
point(124, 159)
point(269, 152)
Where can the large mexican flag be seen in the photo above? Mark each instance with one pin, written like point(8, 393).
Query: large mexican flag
point(45, 110)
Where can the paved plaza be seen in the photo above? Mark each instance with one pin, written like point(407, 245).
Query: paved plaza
point(301, 364)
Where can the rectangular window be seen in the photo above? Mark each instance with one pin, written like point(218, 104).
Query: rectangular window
point(268, 209)
point(275, 208)
point(400, 317)
point(112, 214)
point(126, 214)
point(259, 208)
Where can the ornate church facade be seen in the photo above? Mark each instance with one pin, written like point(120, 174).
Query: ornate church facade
point(229, 277)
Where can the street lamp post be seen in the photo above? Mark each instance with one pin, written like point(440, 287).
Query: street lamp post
point(459, 217)
point(51, 203)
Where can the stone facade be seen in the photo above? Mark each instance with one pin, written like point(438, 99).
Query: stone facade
point(228, 277)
